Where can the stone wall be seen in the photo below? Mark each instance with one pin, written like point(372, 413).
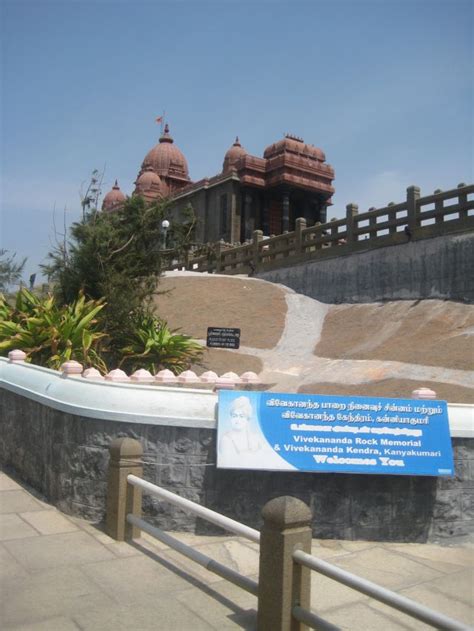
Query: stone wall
point(441, 267)
point(65, 457)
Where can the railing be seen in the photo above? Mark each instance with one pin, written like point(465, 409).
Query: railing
point(413, 219)
point(392, 599)
point(283, 588)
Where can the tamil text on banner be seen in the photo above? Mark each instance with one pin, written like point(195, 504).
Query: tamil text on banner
point(298, 432)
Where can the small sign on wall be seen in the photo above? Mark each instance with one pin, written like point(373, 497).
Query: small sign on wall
point(299, 432)
point(223, 337)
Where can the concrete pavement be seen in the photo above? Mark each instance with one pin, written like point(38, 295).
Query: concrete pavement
point(59, 573)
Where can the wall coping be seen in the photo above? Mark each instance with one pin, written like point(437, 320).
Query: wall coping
point(127, 402)
point(154, 405)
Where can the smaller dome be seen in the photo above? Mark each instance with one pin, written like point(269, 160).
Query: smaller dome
point(114, 199)
point(233, 155)
point(148, 183)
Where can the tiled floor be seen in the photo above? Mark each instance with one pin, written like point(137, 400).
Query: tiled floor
point(59, 573)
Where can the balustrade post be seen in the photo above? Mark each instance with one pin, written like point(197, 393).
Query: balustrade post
point(256, 238)
point(218, 257)
point(123, 498)
point(462, 199)
point(413, 210)
point(351, 211)
point(300, 225)
point(283, 584)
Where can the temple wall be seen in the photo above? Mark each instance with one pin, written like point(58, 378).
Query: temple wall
point(64, 455)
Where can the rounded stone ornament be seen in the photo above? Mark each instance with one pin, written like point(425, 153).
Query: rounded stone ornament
point(71, 368)
point(16, 356)
point(423, 393)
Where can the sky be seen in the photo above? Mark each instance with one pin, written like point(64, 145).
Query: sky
point(384, 87)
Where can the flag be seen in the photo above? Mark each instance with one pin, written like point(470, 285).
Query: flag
point(159, 119)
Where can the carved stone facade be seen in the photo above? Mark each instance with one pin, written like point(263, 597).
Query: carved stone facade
point(251, 193)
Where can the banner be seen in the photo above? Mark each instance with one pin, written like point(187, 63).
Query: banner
point(300, 432)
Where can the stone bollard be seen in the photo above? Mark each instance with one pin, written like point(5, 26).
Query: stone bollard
point(123, 498)
point(283, 584)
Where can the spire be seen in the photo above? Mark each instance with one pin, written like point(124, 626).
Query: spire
point(166, 136)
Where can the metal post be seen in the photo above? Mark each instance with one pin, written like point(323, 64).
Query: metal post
point(123, 498)
point(282, 583)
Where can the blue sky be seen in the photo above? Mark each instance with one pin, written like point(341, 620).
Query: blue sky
point(384, 87)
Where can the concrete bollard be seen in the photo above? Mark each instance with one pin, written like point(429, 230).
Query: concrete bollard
point(283, 584)
point(123, 498)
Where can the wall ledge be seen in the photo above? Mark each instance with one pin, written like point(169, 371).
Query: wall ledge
point(133, 403)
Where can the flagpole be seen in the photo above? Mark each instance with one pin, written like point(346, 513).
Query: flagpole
point(162, 122)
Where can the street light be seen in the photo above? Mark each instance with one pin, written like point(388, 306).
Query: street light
point(165, 224)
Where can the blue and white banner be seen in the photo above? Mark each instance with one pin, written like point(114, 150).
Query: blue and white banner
point(299, 432)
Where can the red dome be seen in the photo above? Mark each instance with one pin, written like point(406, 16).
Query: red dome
point(232, 156)
point(166, 159)
point(114, 198)
point(148, 183)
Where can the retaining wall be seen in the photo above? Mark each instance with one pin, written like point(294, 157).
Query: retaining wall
point(64, 455)
point(441, 267)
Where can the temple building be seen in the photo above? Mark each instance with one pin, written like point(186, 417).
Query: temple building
point(251, 193)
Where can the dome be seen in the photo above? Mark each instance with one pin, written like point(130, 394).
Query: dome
point(233, 155)
point(148, 183)
point(293, 144)
point(114, 198)
point(166, 159)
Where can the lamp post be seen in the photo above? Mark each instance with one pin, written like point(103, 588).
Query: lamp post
point(165, 224)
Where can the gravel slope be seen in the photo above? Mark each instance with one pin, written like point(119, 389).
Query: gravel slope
point(296, 343)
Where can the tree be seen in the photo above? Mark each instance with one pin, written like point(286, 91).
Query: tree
point(10, 270)
point(116, 256)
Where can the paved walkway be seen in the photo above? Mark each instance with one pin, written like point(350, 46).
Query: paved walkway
point(58, 573)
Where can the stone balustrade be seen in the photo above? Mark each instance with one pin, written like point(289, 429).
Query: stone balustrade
point(416, 218)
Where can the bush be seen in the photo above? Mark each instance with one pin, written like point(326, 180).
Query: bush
point(50, 334)
point(152, 345)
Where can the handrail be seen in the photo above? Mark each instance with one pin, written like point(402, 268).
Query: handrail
point(413, 609)
point(210, 515)
point(198, 557)
point(312, 620)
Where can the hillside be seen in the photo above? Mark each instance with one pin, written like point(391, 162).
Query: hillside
point(298, 344)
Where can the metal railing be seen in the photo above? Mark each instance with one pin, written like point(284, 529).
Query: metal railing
point(386, 596)
point(231, 525)
point(285, 565)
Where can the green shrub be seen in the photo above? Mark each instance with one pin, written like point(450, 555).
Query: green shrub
point(50, 334)
point(151, 344)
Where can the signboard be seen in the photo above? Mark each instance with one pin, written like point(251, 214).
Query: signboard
point(222, 337)
point(299, 432)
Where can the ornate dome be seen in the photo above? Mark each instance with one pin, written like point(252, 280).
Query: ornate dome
point(166, 159)
point(295, 145)
point(148, 183)
point(232, 156)
point(114, 198)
